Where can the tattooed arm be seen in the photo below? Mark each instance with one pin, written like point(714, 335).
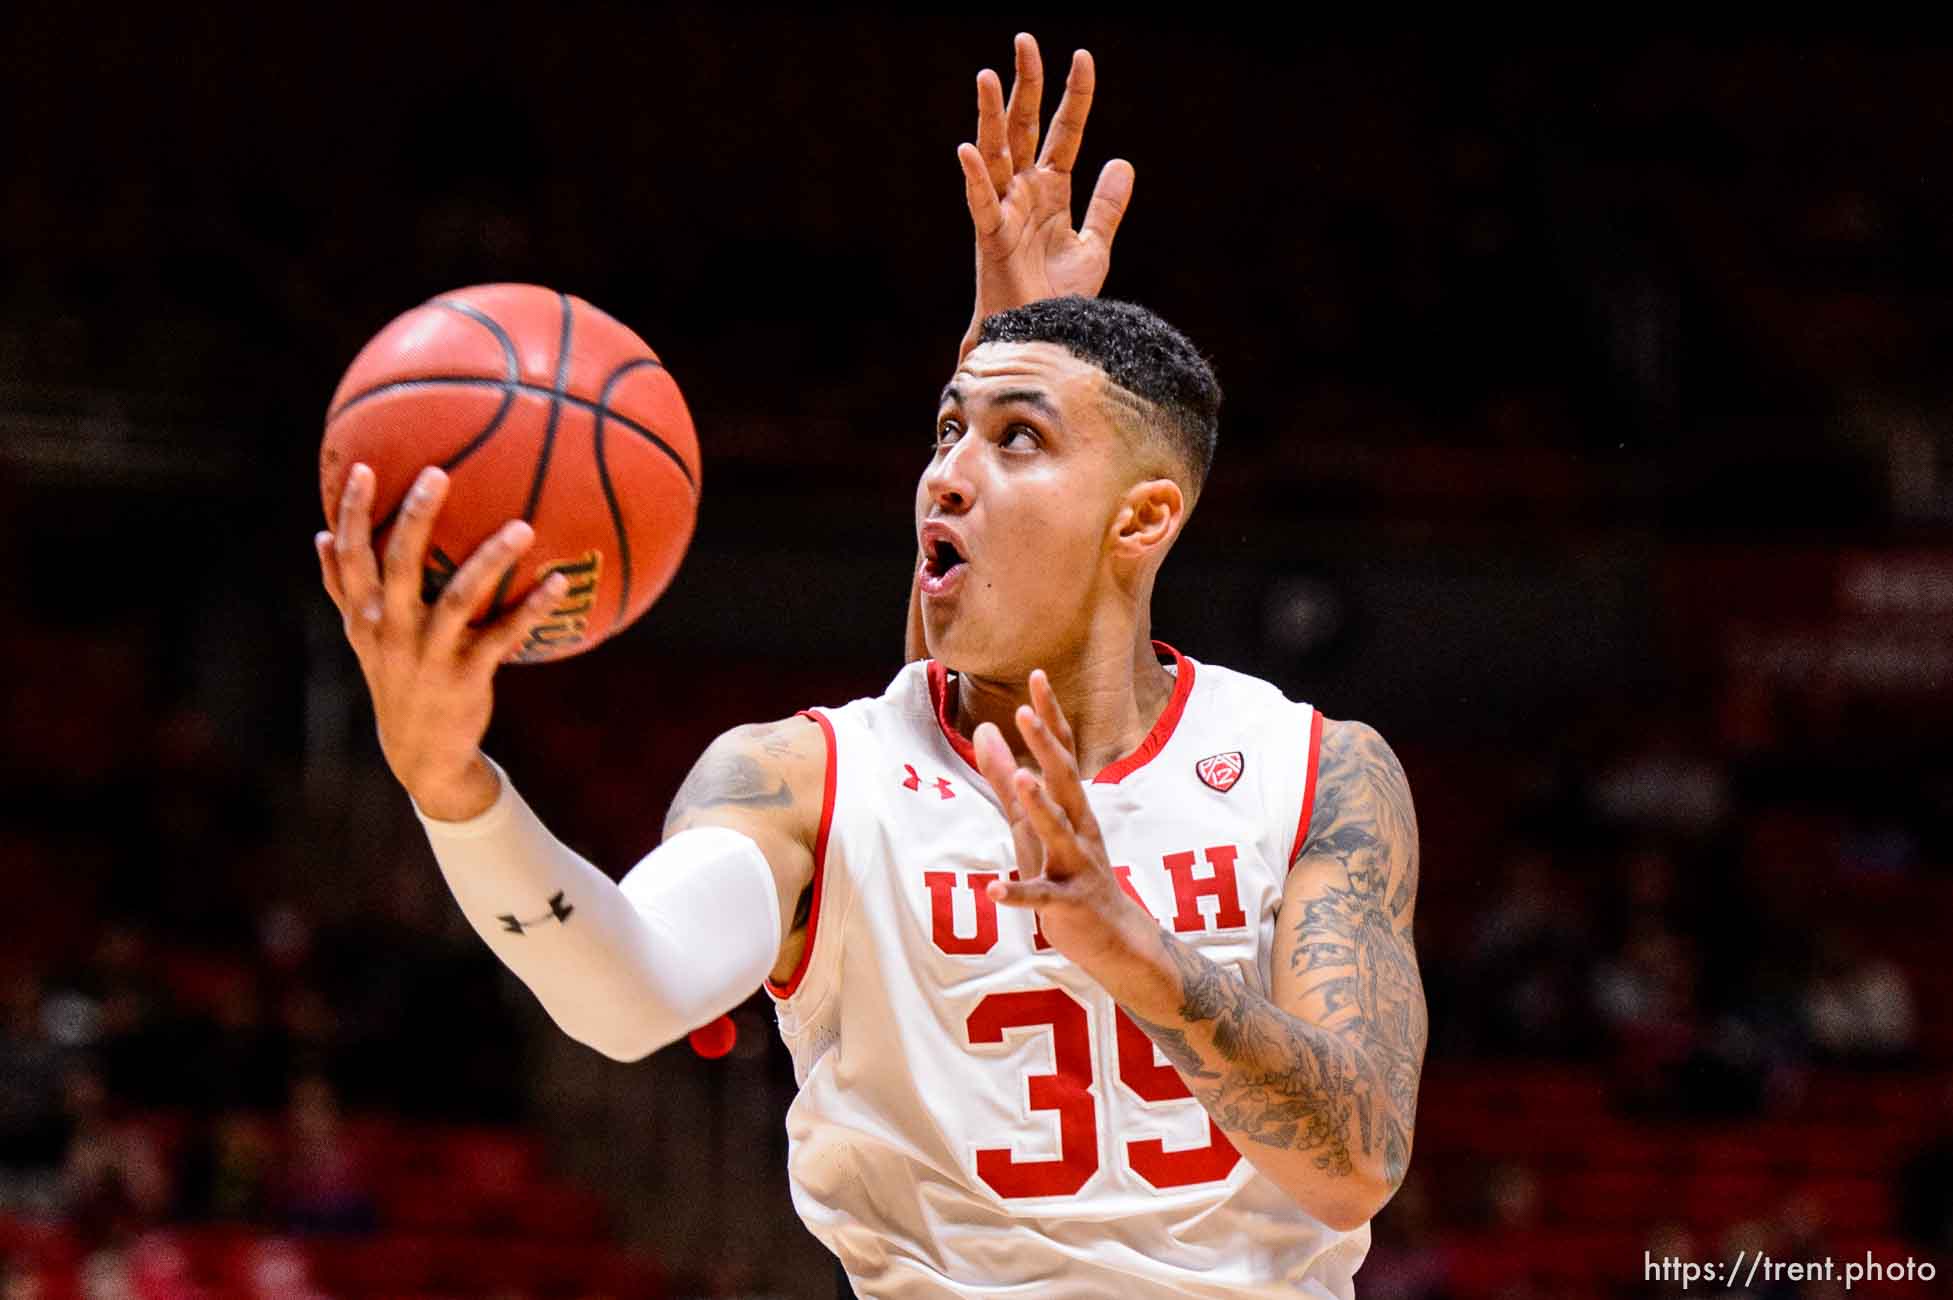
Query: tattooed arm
point(1314, 1081)
point(764, 781)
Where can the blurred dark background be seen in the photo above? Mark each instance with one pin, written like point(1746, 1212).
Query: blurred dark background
point(1587, 433)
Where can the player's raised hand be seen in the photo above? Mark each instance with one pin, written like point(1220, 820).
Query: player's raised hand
point(430, 672)
point(1062, 867)
point(1020, 198)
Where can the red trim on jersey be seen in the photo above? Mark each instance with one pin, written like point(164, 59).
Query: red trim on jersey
point(785, 991)
point(1309, 789)
point(1111, 773)
point(939, 696)
point(1162, 731)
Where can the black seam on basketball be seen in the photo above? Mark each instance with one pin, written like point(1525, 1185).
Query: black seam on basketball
point(555, 407)
point(509, 361)
point(510, 358)
point(610, 493)
point(496, 605)
point(520, 386)
point(480, 317)
point(474, 445)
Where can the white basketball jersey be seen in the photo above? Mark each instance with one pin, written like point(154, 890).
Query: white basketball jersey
point(976, 1117)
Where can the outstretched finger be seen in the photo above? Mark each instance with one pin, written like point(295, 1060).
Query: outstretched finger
point(986, 213)
point(1044, 701)
point(465, 591)
point(999, 768)
point(1054, 830)
point(992, 138)
point(1035, 892)
point(500, 643)
point(1110, 198)
point(328, 569)
point(996, 763)
point(1026, 103)
point(1060, 769)
point(352, 545)
point(1068, 124)
point(407, 549)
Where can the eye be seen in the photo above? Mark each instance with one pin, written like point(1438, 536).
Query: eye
point(947, 431)
point(1017, 431)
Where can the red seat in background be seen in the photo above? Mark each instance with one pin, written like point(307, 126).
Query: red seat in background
point(1855, 1206)
point(384, 1265)
point(1478, 1268)
point(1861, 1148)
point(1615, 1197)
point(491, 1159)
point(549, 1209)
point(1566, 1264)
point(1748, 1148)
point(426, 1203)
point(1716, 1200)
point(488, 1266)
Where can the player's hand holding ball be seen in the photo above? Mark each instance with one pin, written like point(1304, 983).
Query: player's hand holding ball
point(569, 494)
point(429, 673)
point(1064, 872)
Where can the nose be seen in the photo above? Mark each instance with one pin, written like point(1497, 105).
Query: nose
point(948, 482)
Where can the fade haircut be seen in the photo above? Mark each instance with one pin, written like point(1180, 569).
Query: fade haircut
point(1140, 353)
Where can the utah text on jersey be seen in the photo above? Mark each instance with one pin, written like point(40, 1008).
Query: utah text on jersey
point(976, 1116)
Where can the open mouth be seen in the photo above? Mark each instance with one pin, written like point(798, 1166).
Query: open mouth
point(942, 557)
point(942, 564)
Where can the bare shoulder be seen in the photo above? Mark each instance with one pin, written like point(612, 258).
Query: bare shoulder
point(767, 781)
point(1364, 825)
point(768, 773)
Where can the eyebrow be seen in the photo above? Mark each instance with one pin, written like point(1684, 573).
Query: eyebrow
point(1031, 397)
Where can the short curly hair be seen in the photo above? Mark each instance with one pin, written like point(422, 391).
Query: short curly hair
point(1140, 353)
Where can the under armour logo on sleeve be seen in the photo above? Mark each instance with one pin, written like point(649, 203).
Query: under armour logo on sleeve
point(557, 909)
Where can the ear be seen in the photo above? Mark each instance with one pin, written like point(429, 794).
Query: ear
point(1148, 519)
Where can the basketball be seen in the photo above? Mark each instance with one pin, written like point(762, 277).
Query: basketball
point(540, 407)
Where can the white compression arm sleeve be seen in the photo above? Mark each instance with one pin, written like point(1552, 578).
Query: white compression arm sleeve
point(689, 934)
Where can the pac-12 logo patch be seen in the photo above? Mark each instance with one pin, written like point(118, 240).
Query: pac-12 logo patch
point(1220, 770)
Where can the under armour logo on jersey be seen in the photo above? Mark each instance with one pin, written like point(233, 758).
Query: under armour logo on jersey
point(914, 782)
point(557, 908)
point(1221, 771)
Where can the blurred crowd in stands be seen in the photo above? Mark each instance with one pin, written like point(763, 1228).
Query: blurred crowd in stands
point(179, 1033)
point(1707, 940)
point(1720, 967)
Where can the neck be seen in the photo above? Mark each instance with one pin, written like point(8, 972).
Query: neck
point(1112, 689)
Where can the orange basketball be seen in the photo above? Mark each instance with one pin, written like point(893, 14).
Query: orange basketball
point(539, 407)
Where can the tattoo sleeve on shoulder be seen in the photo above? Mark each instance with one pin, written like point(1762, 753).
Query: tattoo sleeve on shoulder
point(1352, 938)
point(1363, 817)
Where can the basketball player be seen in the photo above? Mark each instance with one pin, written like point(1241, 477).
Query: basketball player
point(1095, 961)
